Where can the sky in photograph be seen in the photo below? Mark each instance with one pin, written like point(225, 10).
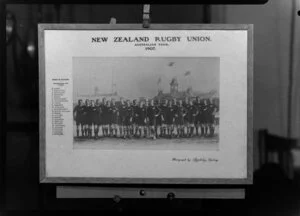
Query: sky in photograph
point(136, 77)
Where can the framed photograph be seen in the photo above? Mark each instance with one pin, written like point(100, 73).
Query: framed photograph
point(171, 104)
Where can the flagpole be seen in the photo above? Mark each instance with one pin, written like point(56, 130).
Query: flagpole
point(112, 78)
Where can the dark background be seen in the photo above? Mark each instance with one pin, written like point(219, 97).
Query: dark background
point(275, 189)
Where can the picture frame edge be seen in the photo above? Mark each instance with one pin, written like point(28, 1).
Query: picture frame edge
point(155, 26)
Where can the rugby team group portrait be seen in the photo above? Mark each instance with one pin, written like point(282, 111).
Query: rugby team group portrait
point(155, 103)
point(145, 118)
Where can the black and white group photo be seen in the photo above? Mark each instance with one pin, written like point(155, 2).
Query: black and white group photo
point(163, 102)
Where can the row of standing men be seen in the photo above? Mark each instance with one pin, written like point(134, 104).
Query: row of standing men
point(144, 118)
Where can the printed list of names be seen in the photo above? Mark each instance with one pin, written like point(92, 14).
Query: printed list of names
point(59, 101)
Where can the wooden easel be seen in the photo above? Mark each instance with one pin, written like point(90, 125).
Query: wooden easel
point(119, 193)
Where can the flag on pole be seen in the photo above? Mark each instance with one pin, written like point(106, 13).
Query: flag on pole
point(187, 73)
point(159, 81)
point(171, 64)
point(96, 90)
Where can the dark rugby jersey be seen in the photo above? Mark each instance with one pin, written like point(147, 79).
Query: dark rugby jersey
point(128, 111)
point(191, 111)
point(98, 107)
point(90, 110)
point(211, 108)
point(94, 110)
point(79, 110)
point(104, 109)
point(174, 110)
point(164, 112)
point(170, 112)
point(205, 109)
point(152, 111)
point(114, 109)
point(86, 110)
point(199, 107)
point(181, 111)
point(150, 114)
point(157, 112)
point(122, 110)
point(135, 110)
point(141, 112)
point(110, 110)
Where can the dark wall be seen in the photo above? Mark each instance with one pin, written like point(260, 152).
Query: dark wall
point(23, 191)
point(22, 75)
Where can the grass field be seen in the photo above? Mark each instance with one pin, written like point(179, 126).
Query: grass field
point(106, 143)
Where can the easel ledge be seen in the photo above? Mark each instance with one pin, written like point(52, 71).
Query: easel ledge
point(148, 193)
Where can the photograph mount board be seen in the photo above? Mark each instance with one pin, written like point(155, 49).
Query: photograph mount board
point(177, 107)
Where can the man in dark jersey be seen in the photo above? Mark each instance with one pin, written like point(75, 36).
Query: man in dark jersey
point(93, 116)
point(104, 117)
point(131, 119)
point(135, 117)
point(152, 113)
point(175, 117)
point(89, 118)
point(210, 117)
point(181, 113)
point(216, 103)
point(121, 117)
point(164, 114)
point(114, 118)
point(186, 117)
point(170, 115)
point(198, 118)
point(128, 116)
point(98, 118)
point(205, 109)
point(192, 113)
point(141, 118)
point(78, 117)
point(108, 117)
point(202, 116)
point(158, 120)
point(147, 126)
point(85, 117)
